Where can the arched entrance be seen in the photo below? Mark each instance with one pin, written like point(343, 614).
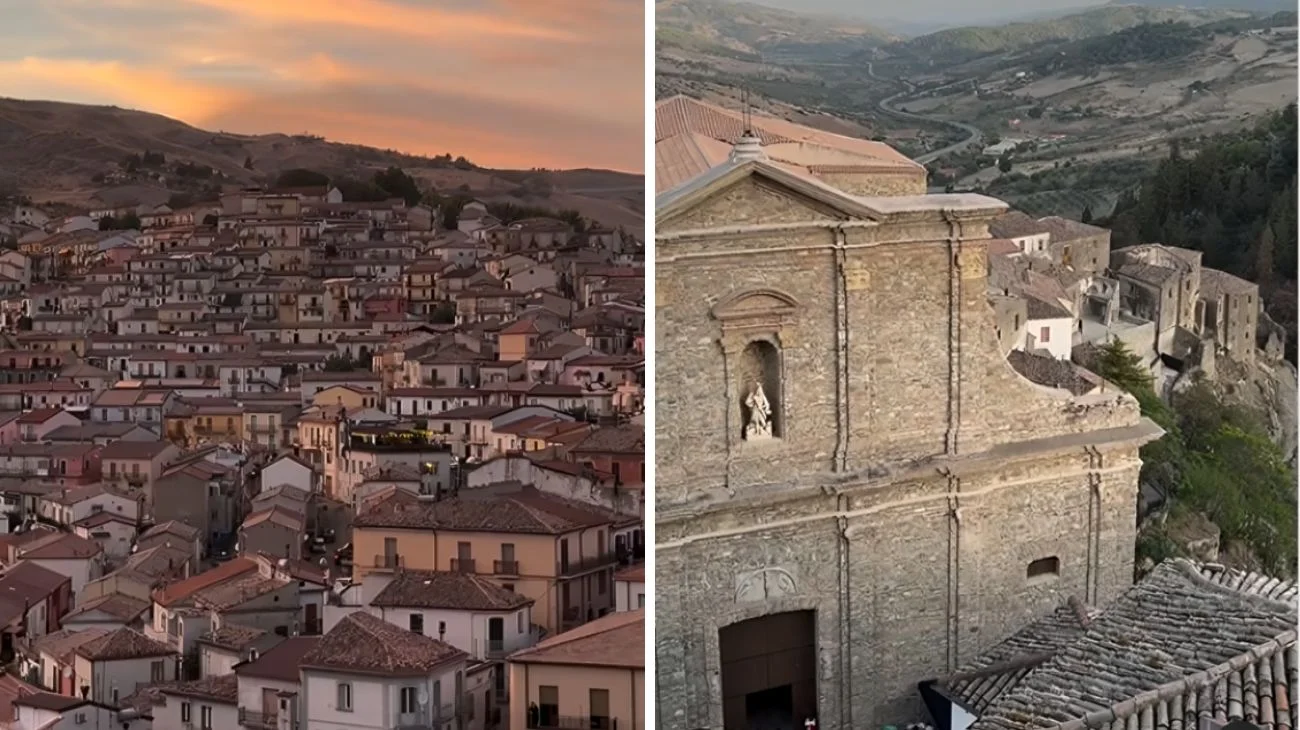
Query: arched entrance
point(769, 675)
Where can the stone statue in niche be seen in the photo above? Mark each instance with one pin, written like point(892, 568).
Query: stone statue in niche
point(759, 425)
point(764, 584)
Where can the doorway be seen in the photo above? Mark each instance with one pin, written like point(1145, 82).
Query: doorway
point(769, 678)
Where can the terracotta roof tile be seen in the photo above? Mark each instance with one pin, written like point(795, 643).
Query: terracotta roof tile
point(182, 590)
point(445, 590)
point(526, 511)
point(124, 643)
point(366, 644)
point(222, 688)
point(282, 661)
point(616, 640)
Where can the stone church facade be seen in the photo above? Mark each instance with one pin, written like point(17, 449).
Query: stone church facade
point(902, 500)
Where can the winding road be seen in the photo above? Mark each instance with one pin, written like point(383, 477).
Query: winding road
point(973, 136)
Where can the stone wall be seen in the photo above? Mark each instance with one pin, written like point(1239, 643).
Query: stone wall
point(1089, 254)
point(925, 574)
point(916, 474)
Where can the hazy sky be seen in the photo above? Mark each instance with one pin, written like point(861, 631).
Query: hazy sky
point(506, 83)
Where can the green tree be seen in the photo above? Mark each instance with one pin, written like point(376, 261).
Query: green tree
point(445, 313)
point(398, 184)
point(1086, 216)
point(339, 364)
point(1004, 164)
point(301, 178)
point(248, 162)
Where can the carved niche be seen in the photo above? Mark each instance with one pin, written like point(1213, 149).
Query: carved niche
point(752, 324)
point(765, 584)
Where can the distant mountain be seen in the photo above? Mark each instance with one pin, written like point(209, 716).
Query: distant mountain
point(747, 30)
point(1250, 6)
point(54, 151)
point(974, 41)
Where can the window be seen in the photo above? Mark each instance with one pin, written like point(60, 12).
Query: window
point(187, 712)
point(205, 717)
point(640, 600)
point(409, 702)
point(598, 700)
point(417, 623)
point(1044, 568)
point(1045, 334)
point(158, 671)
point(548, 701)
point(344, 701)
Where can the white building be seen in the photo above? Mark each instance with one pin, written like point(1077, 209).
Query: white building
point(629, 588)
point(204, 704)
point(367, 673)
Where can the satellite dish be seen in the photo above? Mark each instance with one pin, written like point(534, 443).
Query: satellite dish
point(423, 697)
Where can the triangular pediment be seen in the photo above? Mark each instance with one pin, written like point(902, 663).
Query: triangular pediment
point(753, 194)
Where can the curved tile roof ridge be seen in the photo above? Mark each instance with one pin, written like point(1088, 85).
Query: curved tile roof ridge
point(1256, 682)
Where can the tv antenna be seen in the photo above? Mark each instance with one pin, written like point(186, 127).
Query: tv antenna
point(747, 112)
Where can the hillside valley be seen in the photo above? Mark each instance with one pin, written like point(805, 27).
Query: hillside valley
point(53, 152)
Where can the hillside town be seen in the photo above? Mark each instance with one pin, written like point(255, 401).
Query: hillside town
point(289, 461)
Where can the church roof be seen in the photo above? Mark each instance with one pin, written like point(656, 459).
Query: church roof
point(693, 136)
point(1190, 641)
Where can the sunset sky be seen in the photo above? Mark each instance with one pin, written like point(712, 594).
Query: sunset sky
point(506, 83)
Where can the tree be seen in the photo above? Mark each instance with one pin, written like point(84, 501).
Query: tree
point(1263, 258)
point(444, 314)
point(301, 178)
point(339, 364)
point(211, 219)
point(1086, 216)
point(248, 162)
point(1004, 164)
point(398, 184)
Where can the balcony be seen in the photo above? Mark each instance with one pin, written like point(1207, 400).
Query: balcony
point(425, 720)
point(462, 565)
point(537, 721)
point(390, 562)
point(258, 720)
point(501, 648)
point(508, 568)
point(578, 566)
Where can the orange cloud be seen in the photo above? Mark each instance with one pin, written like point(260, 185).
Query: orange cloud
point(111, 82)
point(425, 22)
point(505, 84)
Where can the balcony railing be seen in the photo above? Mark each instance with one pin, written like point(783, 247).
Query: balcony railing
point(258, 720)
point(390, 562)
point(536, 721)
point(428, 720)
point(505, 567)
point(462, 565)
point(576, 566)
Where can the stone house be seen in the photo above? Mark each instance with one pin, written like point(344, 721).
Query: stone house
point(1230, 309)
point(275, 531)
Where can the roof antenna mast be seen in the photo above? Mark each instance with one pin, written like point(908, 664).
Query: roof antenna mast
point(747, 112)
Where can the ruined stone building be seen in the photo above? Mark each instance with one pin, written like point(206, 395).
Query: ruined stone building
point(855, 491)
